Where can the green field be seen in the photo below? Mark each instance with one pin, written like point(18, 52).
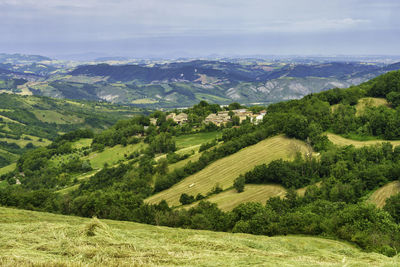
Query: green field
point(8, 168)
point(111, 155)
point(30, 238)
point(189, 140)
point(51, 116)
point(341, 141)
point(380, 195)
point(224, 171)
point(84, 142)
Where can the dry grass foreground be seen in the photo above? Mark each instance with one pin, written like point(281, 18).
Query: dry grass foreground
point(40, 239)
point(380, 195)
point(341, 141)
point(226, 170)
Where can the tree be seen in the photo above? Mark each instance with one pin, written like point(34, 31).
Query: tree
point(235, 120)
point(186, 199)
point(393, 207)
point(239, 183)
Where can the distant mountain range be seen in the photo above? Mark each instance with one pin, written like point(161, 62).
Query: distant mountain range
point(183, 83)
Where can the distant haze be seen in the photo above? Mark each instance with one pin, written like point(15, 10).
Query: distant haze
point(181, 28)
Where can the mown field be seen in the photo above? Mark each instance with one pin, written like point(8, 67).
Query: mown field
point(229, 199)
point(224, 171)
point(380, 195)
point(30, 238)
point(341, 141)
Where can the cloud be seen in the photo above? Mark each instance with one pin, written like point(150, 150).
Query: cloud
point(80, 21)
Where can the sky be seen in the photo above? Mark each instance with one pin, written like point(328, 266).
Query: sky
point(190, 28)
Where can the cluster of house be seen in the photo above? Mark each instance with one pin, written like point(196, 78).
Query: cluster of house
point(220, 118)
point(181, 118)
point(223, 117)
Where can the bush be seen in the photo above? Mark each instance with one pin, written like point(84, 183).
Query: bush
point(186, 199)
point(239, 183)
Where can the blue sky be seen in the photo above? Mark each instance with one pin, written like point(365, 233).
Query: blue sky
point(197, 28)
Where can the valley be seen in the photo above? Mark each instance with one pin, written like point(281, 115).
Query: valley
point(324, 166)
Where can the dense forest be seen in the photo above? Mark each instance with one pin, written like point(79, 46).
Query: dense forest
point(337, 181)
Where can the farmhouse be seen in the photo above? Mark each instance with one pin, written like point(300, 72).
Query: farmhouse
point(218, 119)
point(181, 118)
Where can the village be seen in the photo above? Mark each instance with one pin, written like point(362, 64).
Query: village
point(222, 117)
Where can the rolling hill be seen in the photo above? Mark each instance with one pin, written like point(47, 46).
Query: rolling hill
point(31, 121)
point(141, 169)
point(33, 238)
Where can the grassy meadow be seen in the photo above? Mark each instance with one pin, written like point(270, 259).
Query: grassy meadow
point(196, 139)
point(30, 238)
point(224, 171)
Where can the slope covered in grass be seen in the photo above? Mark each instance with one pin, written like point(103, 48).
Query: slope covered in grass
point(33, 238)
point(224, 171)
point(341, 141)
point(380, 195)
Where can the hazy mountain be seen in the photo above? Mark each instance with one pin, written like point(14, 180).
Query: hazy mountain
point(184, 83)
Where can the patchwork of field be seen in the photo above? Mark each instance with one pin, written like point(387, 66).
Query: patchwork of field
point(224, 171)
point(380, 195)
point(30, 238)
point(341, 141)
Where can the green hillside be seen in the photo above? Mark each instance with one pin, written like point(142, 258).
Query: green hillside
point(30, 121)
point(224, 171)
point(41, 239)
